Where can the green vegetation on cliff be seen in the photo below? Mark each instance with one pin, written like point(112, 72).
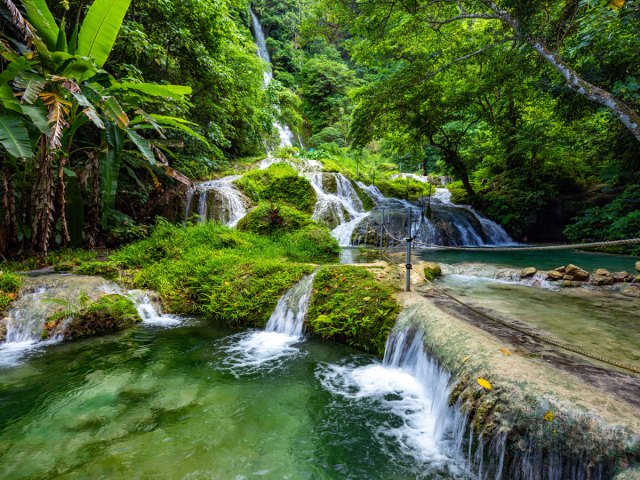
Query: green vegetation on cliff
point(9, 285)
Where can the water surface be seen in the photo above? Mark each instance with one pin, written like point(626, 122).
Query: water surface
point(163, 403)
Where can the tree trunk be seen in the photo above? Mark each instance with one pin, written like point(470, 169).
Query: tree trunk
point(621, 110)
point(624, 112)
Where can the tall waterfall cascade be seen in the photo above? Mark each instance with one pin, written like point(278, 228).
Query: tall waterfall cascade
point(265, 350)
point(284, 132)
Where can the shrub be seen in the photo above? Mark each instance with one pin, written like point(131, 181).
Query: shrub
point(231, 275)
point(279, 183)
point(270, 219)
point(351, 307)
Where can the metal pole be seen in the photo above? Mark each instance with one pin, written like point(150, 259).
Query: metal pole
point(381, 233)
point(409, 240)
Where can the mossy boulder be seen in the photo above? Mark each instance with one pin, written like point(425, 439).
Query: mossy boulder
point(279, 183)
point(432, 271)
point(270, 219)
point(107, 314)
point(351, 307)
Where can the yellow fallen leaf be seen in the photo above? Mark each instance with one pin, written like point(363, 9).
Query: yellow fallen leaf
point(549, 416)
point(506, 351)
point(465, 359)
point(617, 4)
point(484, 384)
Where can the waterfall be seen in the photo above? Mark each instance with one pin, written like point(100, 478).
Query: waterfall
point(284, 132)
point(45, 295)
point(447, 224)
point(219, 201)
point(266, 350)
point(338, 205)
point(410, 385)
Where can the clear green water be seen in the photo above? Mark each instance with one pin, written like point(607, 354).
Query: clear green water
point(601, 322)
point(159, 403)
point(541, 260)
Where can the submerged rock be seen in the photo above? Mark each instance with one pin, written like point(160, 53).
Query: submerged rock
point(602, 277)
point(577, 273)
point(528, 272)
point(631, 291)
point(638, 266)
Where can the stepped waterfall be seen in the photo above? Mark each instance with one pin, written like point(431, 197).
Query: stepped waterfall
point(43, 296)
point(265, 350)
point(339, 206)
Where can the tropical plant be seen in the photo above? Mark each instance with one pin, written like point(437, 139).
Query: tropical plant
point(58, 102)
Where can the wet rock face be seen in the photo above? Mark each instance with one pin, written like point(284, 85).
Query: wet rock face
point(3, 329)
point(528, 272)
point(620, 277)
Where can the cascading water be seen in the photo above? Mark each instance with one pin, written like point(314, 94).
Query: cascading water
point(284, 132)
point(411, 386)
point(447, 223)
point(219, 201)
point(44, 295)
point(253, 351)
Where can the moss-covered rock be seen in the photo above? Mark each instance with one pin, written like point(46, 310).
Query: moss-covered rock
point(270, 219)
point(279, 183)
point(367, 203)
point(107, 314)
point(432, 271)
point(351, 307)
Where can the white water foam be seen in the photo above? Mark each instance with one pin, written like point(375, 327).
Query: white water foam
point(266, 350)
point(410, 385)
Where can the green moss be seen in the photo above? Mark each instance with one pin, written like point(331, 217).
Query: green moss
point(231, 275)
point(432, 271)
point(107, 314)
point(410, 189)
point(61, 260)
point(10, 283)
point(279, 183)
point(103, 269)
point(270, 219)
point(351, 307)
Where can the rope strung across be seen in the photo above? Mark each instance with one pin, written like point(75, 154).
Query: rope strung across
point(536, 336)
point(525, 248)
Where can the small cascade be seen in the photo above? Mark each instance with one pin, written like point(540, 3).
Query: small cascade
point(150, 311)
point(45, 295)
point(218, 201)
point(338, 205)
point(374, 192)
point(284, 132)
point(266, 350)
point(410, 385)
